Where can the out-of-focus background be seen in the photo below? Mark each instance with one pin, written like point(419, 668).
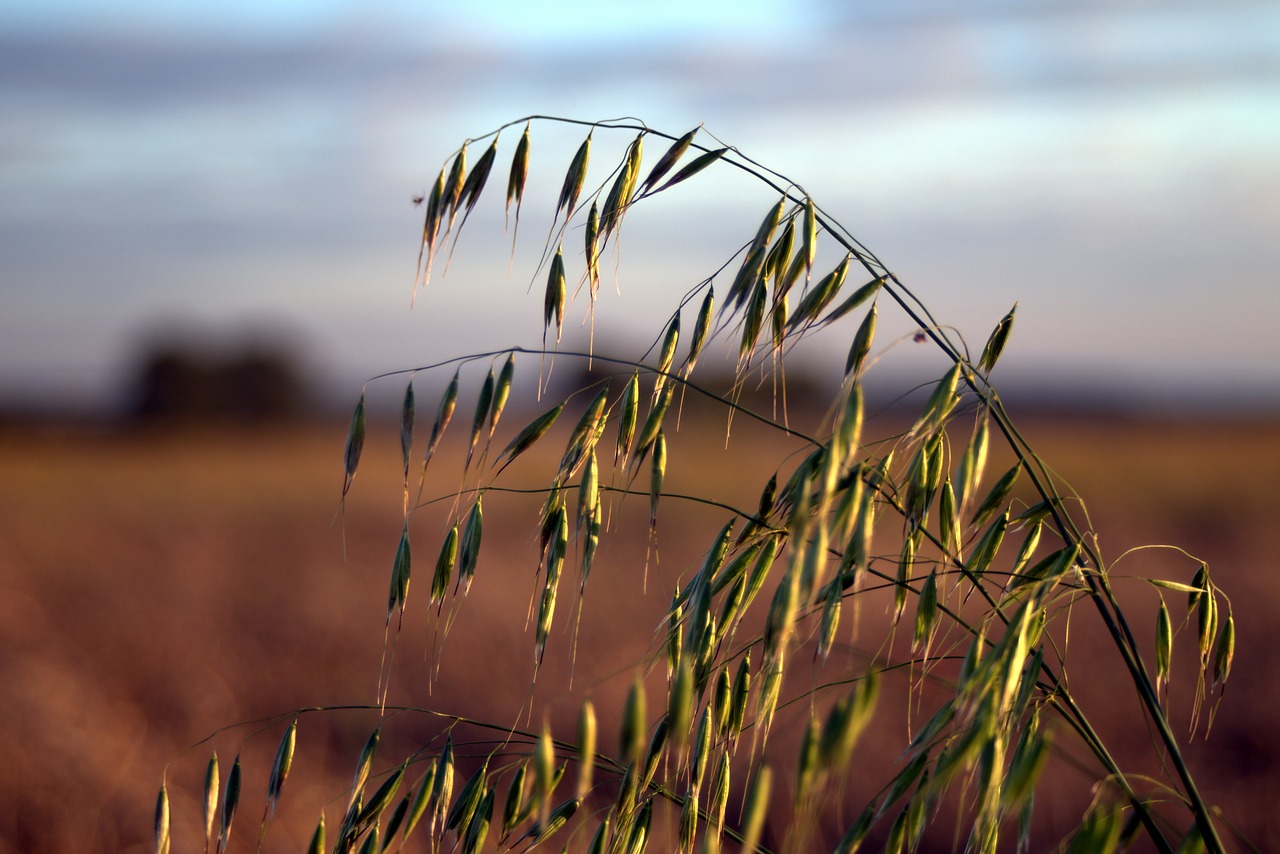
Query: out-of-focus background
point(207, 244)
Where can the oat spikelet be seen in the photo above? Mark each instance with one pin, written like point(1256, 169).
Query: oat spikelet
point(669, 159)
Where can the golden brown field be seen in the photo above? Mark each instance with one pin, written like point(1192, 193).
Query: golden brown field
point(159, 586)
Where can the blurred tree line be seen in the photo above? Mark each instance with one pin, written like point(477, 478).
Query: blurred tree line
point(182, 382)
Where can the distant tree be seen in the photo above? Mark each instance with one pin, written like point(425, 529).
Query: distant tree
point(176, 382)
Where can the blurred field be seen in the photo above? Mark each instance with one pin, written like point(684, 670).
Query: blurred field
point(157, 586)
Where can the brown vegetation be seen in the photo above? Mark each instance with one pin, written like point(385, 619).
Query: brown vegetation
point(156, 590)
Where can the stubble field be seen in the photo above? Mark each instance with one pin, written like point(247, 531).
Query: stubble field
point(156, 586)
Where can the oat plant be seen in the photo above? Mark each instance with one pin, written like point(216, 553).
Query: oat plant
point(869, 650)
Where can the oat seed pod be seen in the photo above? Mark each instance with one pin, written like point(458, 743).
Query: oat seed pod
point(669, 159)
point(162, 839)
point(354, 446)
point(692, 168)
point(519, 173)
point(553, 304)
point(756, 809)
point(575, 178)
point(586, 747)
point(211, 783)
point(400, 570)
point(861, 343)
point(445, 562)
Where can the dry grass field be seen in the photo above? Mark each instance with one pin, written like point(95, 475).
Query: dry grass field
point(155, 587)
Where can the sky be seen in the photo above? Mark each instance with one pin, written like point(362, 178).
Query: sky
point(245, 169)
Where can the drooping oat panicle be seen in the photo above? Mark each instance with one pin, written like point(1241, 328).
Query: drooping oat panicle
point(856, 299)
point(574, 178)
point(996, 342)
point(544, 773)
point(680, 703)
point(861, 343)
point(430, 230)
point(400, 570)
point(820, 295)
point(653, 422)
point(469, 552)
point(354, 446)
point(591, 249)
point(753, 269)
point(556, 819)
point(484, 404)
point(949, 521)
point(657, 473)
point(810, 245)
point(702, 750)
point(1028, 548)
point(370, 813)
point(162, 837)
point(984, 550)
point(973, 463)
point(590, 542)
point(364, 765)
point(280, 769)
point(701, 329)
point(940, 404)
point(749, 275)
point(407, 407)
point(453, 187)
point(501, 392)
point(829, 622)
point(753, 322)
point(1048, 570)
point(1028, 760)
point(585, 435)
point(397, 819)
point(444, 413)
point(847, 720)
point(553, 302)
point(586, 747)
point(631, 734)
point(555, 564)
point(477, 829)
point(906, 560)
point(668, 159)
point(667, 354)
point(926, 614)
point(588, 494)
point(693, 167)
point(996, 497)
point(473, 186)
point(615, 204)
point(515, 806)
point(317, 845)
point(532, 433)
point(778, 322)
point(600, 839)
point(442, 785)
point(445, 563)
point(738, 701)
point(468, 799)
point(807, 761)
point(802, 261)
point(757, 807)
point(775, 263)
point(630, 405)
point(1164, 647)
point(519, 174)
point(230, 801)
point(1224, 651)
point(211, 782)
